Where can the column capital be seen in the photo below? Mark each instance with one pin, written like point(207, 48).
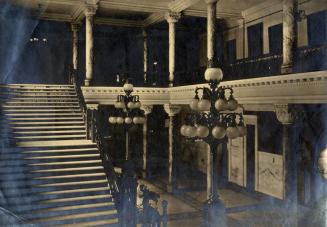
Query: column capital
point(147, 109)
point(172, 17)
point(172, 110)
point(90, 9)
point(288, 114)
point(92, 106)
point(75, 26)
point(211, 1)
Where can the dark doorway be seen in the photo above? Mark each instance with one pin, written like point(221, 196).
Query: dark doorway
point(231, 51)
point(275, 39)
point(317, 28)
point(255, 40)
point(250, 158)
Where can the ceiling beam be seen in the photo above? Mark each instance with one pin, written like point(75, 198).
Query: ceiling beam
point(135, 6)
point(180, 5)
point(153, 18)
point(118, 22)
point(203, 13)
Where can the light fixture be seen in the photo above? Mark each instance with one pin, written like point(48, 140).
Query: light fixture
point(213, 121)
point(128, 107)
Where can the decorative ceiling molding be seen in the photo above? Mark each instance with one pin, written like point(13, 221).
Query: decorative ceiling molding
point(203, 13)
point(180, 5)
point(78, 15)
point(153, 18)
point(55, 17)
point(135, 6)
point(118, 22)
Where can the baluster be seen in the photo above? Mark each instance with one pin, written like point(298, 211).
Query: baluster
point(164, 213)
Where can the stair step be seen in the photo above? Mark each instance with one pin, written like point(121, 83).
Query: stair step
point(57, 143)
point(79, 198)
point(76, 207)
point(52, 132)
point(44, 118)
point(75, 217)
point(48, 123)
point(72, 183)
point(36, 103)
point(63, 156)
point(51, 137)
point(23, 94)
point(110, 222)
point(58, 192)
point(39, 207)
point(47, 127)
point(42, 114)
point(68, 169)
point(46, 106)
point(72, 210)
point(64, 163)
point(60, 150)
point(43, 110)
point(54, 98)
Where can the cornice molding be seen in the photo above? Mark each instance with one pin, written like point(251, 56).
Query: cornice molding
point(302, 88)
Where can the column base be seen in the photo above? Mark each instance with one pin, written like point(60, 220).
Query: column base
point(170, 188)
point(87, 82)
point(214, 213)
point(286, 69)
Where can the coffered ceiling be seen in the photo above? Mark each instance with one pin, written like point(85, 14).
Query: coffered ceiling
point(137, 13)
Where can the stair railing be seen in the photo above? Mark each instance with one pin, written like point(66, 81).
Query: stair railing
point(92, 126)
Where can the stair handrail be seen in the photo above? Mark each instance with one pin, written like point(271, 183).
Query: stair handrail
point(97, 136)
point(92, 126)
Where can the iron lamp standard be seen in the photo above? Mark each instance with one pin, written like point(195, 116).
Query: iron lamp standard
point(213, 121)
point(129, 112)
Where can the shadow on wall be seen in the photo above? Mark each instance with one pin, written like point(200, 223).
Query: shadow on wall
point(39, 61)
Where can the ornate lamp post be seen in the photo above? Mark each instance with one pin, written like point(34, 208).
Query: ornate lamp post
point(214, 122)
point(129, 113)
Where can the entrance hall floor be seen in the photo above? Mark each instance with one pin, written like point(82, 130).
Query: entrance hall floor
point(185, 207)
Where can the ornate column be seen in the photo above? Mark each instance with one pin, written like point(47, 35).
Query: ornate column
point(172, 18)
point(89, 12)
point(145, 55)
point(211, 32)
point(171, 110)
point(147, 110)
point(289, 35)
point(75, 29)
point(287, 115)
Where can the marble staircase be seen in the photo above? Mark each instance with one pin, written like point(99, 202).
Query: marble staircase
point(50, 173)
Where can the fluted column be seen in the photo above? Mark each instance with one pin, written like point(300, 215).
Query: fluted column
point(89, 12)
point(289, 35)
point(75, 29)
point(147, 110)
point(211, 32)
point(171, 110)
point(145, 55)
point(172, 18)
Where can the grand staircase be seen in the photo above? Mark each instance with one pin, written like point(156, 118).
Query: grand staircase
point(50, 174)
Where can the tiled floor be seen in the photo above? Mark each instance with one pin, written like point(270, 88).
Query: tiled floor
point(185, 209)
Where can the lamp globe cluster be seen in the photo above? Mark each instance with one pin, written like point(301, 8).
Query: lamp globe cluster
point(212, 116)
point(128, 108)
